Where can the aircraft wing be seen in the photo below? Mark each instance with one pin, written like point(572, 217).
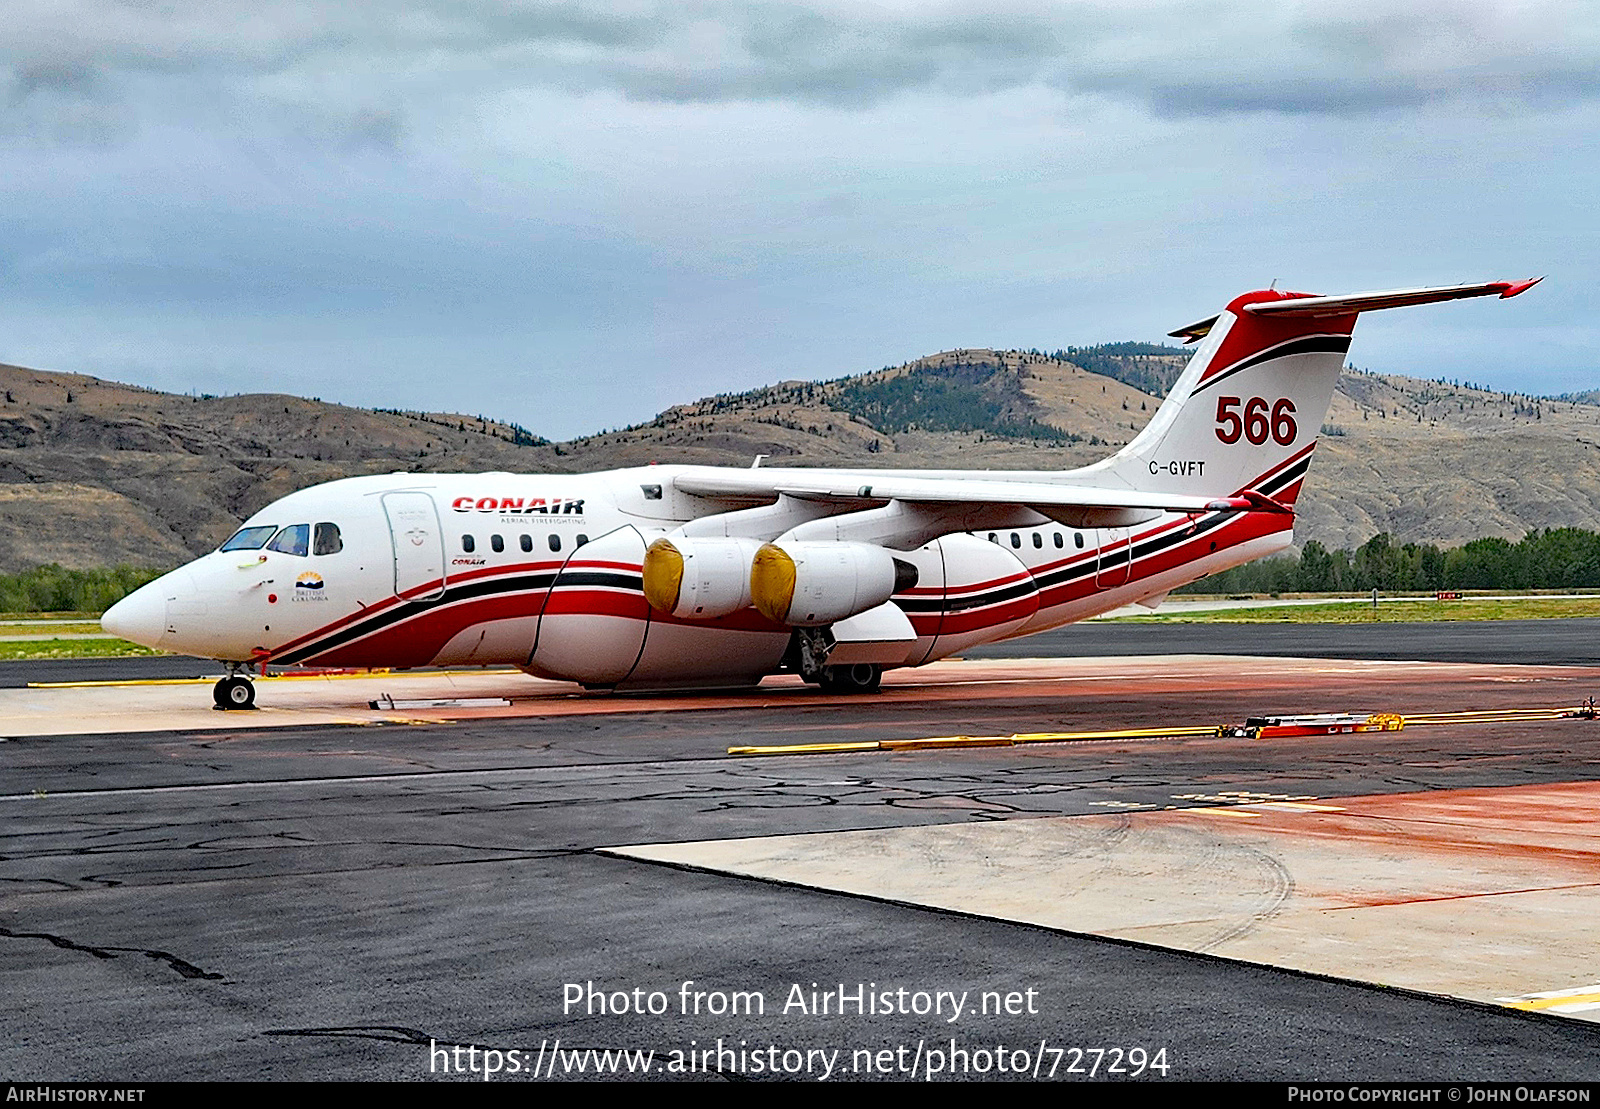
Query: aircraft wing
point(868, 487)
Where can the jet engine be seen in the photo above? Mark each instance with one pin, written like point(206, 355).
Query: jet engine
point(699, 579)
point(810, 584)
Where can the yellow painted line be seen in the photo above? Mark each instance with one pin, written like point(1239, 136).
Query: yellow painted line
point(1492, 720)
point(131, 681)
point(1126, 733)
point(1241, 813)
point(938, 742)
point(960, 741)
point(1506, 718)
point(1539, 1004)
point(1489, 716)
point(807, 749)
point(945, 741)
point(363, 675)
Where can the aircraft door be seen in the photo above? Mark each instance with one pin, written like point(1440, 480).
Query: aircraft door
point(419, 563)
point(594, 621)
point(1114, 558)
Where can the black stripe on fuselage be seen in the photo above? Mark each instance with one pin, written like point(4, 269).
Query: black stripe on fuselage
point(950, 604)
point(485, 587)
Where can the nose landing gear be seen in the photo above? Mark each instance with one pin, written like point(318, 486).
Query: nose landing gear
point(235, 691)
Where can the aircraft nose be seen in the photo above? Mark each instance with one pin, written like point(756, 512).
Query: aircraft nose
point(140, 617)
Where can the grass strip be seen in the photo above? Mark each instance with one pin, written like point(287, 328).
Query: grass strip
point(109, 647)
point(1386, 612)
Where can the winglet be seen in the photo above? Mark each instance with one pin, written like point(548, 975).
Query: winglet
point(1516, 287)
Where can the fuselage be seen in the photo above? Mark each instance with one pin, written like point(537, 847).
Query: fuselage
point(543, 572)
point(695, 575)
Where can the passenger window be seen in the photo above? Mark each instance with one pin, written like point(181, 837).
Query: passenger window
point(250, 539)
point(1059, 543)
point(555, 541)
point(497, 544)
point(993, 538)
point(582, 539)
point(651, 492)
point(525, 541)
point(1077, 539)
point(327, 540)
point(1016, 540)
point(294, 539)
point(1038, 540)
point(468, 544)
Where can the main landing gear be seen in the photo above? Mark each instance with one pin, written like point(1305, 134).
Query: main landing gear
point(862, 677)
point(236, 690)
point(807, 656)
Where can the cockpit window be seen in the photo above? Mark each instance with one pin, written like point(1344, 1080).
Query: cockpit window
point(294, 539)
point(250, 539)
point(328, 540)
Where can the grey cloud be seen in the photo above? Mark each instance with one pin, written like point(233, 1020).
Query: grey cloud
point(376, 127)
point(1172, 56)
point(61, 102)
point(56, 77)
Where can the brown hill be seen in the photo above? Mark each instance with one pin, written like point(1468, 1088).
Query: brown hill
point(94, 473)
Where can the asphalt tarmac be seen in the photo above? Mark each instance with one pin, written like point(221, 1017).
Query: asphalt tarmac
point(338, 902)
point(1551, 642)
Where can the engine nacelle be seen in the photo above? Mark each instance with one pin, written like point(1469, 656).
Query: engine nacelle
point(809, 584)
point(699, 579)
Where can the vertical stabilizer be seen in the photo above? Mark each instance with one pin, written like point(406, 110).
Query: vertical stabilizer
point(1244, 415)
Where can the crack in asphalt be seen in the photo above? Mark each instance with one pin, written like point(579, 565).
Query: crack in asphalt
point(386, 1032)
point(198, 876)
point(182, 966)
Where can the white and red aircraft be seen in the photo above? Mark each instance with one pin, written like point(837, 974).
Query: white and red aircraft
point(707, 576)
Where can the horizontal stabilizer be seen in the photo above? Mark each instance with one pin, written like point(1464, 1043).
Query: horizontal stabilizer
point(1349, 304)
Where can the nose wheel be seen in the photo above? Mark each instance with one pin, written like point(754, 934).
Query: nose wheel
point(234, 692)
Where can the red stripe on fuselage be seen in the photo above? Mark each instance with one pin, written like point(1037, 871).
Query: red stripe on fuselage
point(1242, 529)
point(973, 619)
point(418, 639)
point(377, 608)
point(425, 633)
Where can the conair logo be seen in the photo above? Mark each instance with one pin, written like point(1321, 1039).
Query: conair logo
point(555, 506)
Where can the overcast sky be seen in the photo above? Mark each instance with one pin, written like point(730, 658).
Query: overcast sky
point(574, 214)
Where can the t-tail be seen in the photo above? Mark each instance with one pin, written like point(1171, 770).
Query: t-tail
point(1243, 417)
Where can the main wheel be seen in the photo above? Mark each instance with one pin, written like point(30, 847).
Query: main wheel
point(863, 677)
point(234, 692)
